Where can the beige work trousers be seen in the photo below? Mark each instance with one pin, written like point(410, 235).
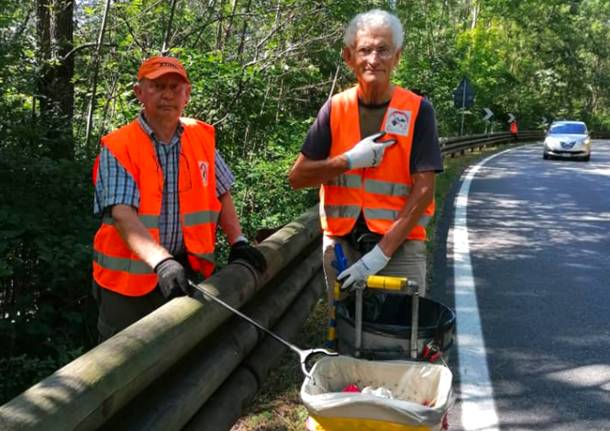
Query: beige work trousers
point(409, 261)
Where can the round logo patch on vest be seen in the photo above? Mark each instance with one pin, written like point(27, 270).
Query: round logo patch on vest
point(203, 169)
point(397, 122)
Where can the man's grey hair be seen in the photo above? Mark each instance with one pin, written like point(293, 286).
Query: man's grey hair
point(375, 18)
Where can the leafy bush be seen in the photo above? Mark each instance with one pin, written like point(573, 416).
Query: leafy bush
point(25, 370)
point(45, 260)
point(262, 191)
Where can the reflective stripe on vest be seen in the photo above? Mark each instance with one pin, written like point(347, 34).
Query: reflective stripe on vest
point(122, 264)
point(385, 214)
point(386, 188)
point(349, 181)
point(341, 211)
point(135, 266)
point(372, 186)
point(207, 256)
point(149, 221)
point(352, 211)
point(200, 217)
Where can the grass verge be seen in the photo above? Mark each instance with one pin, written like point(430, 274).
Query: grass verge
point(277, 406)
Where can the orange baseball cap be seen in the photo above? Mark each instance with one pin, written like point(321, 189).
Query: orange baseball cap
point(154, 67)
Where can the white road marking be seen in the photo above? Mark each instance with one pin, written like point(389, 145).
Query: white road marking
point(477, 399)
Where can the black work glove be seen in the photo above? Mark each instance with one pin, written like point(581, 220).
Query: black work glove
point(172, 278)
point(243, 250)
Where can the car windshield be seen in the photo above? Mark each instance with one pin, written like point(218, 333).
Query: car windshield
point(568, 128)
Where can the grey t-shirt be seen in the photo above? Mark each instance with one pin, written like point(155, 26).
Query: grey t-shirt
point(425, 150)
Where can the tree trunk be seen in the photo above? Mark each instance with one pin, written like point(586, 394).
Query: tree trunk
point(229, 29)
point(55, 87)
point(219, 29)
point(242, 41)
point(96, 67)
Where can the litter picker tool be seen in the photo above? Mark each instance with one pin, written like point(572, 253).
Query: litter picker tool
point(304, 354)
point(340, 264)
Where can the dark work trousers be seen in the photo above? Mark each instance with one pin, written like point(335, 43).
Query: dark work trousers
point(116, 312)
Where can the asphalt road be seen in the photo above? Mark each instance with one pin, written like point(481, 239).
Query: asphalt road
point(538, 242)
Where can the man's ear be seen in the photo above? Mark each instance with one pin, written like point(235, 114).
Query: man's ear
point(347, 55)
point(397, 56)
point(137, 89)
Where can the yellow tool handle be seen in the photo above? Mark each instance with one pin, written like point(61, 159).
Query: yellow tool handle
point(386, 282)
point(331, 334)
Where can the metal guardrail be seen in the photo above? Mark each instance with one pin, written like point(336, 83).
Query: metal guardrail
point(459, 145)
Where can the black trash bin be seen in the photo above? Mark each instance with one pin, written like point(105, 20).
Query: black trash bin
point(386, 326)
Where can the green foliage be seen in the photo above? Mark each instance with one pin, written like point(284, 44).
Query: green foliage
point(26, 370)
point(45, 253)
point(260, 71)
point(262, 191)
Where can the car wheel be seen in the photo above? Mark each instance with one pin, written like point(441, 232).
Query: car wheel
point(586, 158)
point(545, 156)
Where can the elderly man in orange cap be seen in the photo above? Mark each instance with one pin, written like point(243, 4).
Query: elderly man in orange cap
point(161, 187)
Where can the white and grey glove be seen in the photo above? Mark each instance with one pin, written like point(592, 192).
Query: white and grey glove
point(370, 264)
point(368, 152)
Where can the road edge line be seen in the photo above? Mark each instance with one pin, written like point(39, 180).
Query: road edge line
point(476, 392)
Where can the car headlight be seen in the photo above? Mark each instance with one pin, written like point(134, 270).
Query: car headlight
point(581, 143)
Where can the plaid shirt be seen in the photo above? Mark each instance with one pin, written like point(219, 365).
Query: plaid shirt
point(116, 186)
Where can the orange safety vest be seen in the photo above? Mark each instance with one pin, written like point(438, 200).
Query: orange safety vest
point(381, 192)
point(115, 266)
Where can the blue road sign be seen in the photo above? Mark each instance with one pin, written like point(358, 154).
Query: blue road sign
point(463, 96)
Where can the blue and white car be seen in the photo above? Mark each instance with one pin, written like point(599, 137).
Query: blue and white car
point(567, 139)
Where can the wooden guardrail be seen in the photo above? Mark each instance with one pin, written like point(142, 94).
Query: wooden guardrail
point(99, 386)
point(190, 365)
